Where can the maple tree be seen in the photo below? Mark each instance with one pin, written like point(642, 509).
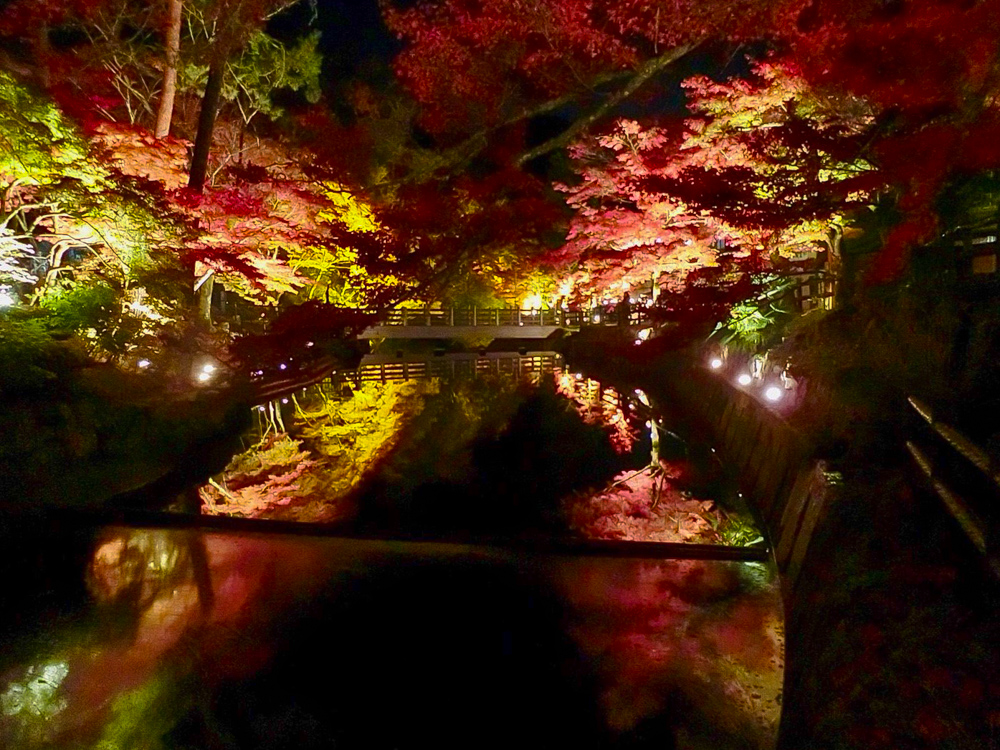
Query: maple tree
point(852, 100)
point(762, 169)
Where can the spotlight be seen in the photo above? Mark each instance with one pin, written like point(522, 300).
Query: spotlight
point(715, 364)
point(773, 393)
point(744, 379)
point(144, 363)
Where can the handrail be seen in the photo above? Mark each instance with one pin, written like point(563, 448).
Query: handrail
point(477, 317)
point(973, 525)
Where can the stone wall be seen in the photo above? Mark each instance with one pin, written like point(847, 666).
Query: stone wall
point(778, 473)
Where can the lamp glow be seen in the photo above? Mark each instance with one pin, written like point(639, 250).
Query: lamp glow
point(744, 379)
point(597, 317)
point(144, 363)
point(773, 393)
point(204, 377)
point(715, 364)
point(209, 368)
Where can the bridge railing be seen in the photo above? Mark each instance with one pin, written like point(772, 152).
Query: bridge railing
point(495, 317)
point(483, 317)
point(517, 367)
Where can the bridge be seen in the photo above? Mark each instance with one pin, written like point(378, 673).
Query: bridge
point(497, 323)
point(386, 368)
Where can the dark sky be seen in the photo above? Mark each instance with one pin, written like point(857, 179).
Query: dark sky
point(355, 42)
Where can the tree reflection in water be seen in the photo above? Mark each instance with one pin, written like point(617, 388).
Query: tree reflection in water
point(307, 641)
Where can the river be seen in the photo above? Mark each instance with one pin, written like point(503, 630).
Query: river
point(357, 636)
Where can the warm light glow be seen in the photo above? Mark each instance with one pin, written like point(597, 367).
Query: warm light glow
point(715, 364)
point(773, 393)
point(209, 368)
point(533, 302)
point(644, 333)
point(744, 379)
point(597, 317)
point(204, 377)
point(144, 363)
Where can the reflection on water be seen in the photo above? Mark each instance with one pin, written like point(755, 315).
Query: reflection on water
point(191, 639)
point(494, 451)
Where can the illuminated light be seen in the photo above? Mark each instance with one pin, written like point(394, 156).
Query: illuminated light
point(284, 400)
point(260, 408)
point(715, 364)
point(209, 368)
point(597, 317)
point(7, 297)
point(638, 341)
point(282, 366)
point(642, 397)
point(578, 376)
point(533, 302)
point(744, 379)
point(144, 363)
point(309, 343)
point(773, 393)
point(204, 377)
point(644, 333)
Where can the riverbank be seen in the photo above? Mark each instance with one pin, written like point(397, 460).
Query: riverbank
point(892, 631)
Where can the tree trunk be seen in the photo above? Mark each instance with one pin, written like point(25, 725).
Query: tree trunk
point(172, 43)
point(206, 123)
point(204, 295)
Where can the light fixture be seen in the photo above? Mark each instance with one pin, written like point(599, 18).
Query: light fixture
point(744, 379)
point(774, 393)
point(284, 400)
point(144, 363)
point(282, 366)
point(715, 363)
point(204, 377)
point(209, 368)
point(597, 317)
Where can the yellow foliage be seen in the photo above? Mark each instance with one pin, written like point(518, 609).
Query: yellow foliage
point(348, 210)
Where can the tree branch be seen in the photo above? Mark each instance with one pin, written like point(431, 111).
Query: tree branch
point(647, 71)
